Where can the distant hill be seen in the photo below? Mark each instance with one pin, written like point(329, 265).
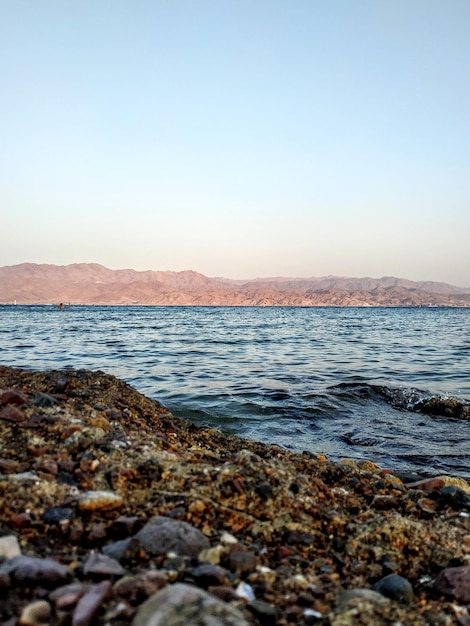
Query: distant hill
point(90, 283)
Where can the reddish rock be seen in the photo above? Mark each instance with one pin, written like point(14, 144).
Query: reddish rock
point(454, 582)
point(12, 414)
point(12, 396)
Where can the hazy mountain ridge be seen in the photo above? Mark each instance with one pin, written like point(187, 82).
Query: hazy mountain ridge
point(91, 283)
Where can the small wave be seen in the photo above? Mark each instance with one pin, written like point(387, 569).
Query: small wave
point(404, 399)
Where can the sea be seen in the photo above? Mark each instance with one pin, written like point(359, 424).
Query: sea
point(338, 381)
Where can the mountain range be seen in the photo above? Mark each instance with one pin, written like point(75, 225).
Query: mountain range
point(90, 283)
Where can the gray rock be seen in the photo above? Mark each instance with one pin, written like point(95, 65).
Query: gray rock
point(29, 569)
point(9, 547)
point(102, 565)
point(182, 605)
point(162, 534)
point(395, 587)
point(123, 549)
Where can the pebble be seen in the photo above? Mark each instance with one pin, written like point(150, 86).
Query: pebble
point(99, 500)
point(37, 613)
point(368, 595)
point(12, 396)
point(242, 562)
point(454, 582)
point(67, 596)
point(9, 547)
point(44, 400)
point(56, 514)
point(207, 575)
point(245, 591)
point(180, 604)
point(123, 550)
point(29, 569)
point(90, 602)
point(455, 497)
point(102, 565)
point(395, 587)
point(11, 413)
point(265, 612)
point(162, 535)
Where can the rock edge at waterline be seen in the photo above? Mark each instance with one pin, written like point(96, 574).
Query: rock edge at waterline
point(106, 499)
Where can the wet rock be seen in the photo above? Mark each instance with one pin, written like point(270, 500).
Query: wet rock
point(12, 413)
point(90, 602)
point(102, 565)
point(37, 613)
point(181, 604)
point(99, 500)
point(454, 582)
point(455, 497)
point(395, 587)
point(161, 535)
point(28, 569)
point(427, 484)
point(9, 547)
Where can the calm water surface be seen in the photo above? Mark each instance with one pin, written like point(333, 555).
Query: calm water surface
point(316, 379)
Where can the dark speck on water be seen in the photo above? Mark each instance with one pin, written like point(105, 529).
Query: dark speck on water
point(386, 384)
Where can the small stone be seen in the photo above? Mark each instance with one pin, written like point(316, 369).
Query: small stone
point(99, 500)
point(455, 497)
point(37, 613)
point(12, 396)
point(90, 602)
point(28, 569)
point(454, 582)
point(9, 547)
point(181, 604)
point(266, 613)
point(123, 550)
point(162, 535)
point(369, 595)
point(67, 596)
point(207, 575)
point(102, 565)
point(12, 414)
point(44, 400)
point(264, 490)
point(56, 514)
point(242, 562)
point(245, 591)
point(395, 587)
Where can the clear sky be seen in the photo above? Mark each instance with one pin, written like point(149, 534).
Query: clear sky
point(238, 138)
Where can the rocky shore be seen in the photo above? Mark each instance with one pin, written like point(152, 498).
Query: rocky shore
point(112, 511)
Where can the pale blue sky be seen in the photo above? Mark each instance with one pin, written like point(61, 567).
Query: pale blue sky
point(238, 138)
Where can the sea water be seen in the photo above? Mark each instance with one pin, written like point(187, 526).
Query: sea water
point(316, 379)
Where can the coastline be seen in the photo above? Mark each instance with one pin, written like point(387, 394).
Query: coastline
point(86, 462)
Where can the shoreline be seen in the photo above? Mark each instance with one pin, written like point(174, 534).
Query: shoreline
point(87, 462)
